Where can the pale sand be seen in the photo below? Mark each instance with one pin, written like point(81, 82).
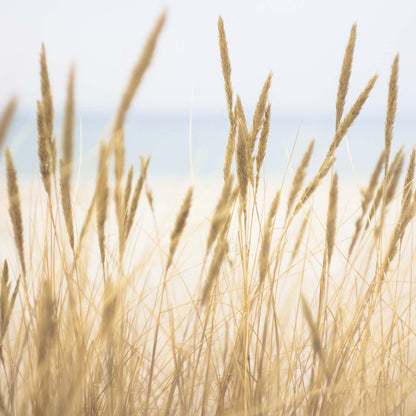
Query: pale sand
point(149, 242)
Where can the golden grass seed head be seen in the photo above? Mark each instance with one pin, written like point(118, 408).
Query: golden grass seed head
point(4, 298)
point(397, 164)
point(267, 237)
point(87, 220)
point(332, 217)
point(127, 189)
point(53, 153)
point(349, 119)
point(48, 141)
point(111, 295)
point(407, 213)
point(221, 212)
point(47, 103)
point(119, 151)
point(102, 198)
point(409, 180)
point(300, 175)
point(345, 75)
point(391, 108)
point(300, 236)
point(43, 149)
point(220, 252)
point(241, 154)
point(367, 197)
point(65, 164)
point(47, 323)
point(180, 223)
point(138, 72)
point(6, 119)
point(149, 197)
point(229, 151)
point(259, 112)
point(66, 202)
point(316, 339)
point(68, 126)
point(385, 192)
point(262, 147)
point(7, 306)
point(14, 208)
point(310, 189)
point(136, 195)
point(226, 69)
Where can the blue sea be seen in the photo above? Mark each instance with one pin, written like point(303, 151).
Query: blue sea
point(172, 141)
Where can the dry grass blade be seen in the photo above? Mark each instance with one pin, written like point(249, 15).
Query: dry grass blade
point(345, 75)
point(102, 199)
point(138, 72)
point(220, 213)
point(241, 154)
point(267, 238)
point(226, 69)
point(180, 223)
point(14, 208)
point(391, 109)
point(264, 136)
point(6, 119)
point(136, 196)
point(332, 217)
point(349, 119)
point(300, 176)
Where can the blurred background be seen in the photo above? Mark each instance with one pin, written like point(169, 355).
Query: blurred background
point(181, 99)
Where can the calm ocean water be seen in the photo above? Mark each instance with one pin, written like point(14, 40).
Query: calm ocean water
point(166, 138)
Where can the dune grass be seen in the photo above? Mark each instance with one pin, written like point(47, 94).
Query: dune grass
point(278, 313)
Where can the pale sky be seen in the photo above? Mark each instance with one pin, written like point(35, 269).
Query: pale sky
point(301, 41)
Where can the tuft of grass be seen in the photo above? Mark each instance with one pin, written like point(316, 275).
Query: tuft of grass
point(238, 311)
